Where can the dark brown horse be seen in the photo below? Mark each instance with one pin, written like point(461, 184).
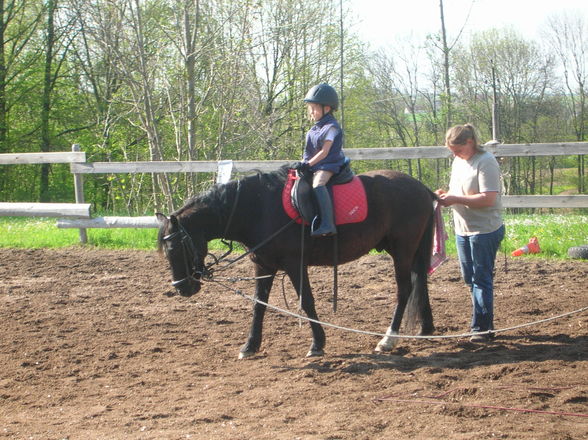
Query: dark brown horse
point(249, 211)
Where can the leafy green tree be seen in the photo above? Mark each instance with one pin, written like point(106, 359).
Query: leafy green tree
point(567, 35)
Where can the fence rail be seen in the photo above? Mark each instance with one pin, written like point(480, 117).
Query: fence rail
point(577, 201)
point(242, 166)
point(39, 158)
point(78, 214)
point(76, 210)
point(109, 222)
point(398, 153)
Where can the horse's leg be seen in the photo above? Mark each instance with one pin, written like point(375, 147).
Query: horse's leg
point(419, 300)
point(318, 334)
point(402, 266)
point(421, 295)
point(263, 285)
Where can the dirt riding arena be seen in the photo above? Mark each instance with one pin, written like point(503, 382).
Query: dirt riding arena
point(94, 345)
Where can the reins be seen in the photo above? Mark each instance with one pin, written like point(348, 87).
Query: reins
point(218, 260)
point(229, 244)
point(191, 255)
point(189, 250)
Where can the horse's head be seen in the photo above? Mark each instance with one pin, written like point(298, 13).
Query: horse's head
point(185, 254)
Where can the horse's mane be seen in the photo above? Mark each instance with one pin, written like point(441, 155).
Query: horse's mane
point(218, 200)
point(274, 179)
point(220, 197)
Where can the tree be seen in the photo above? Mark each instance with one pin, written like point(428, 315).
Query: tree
point(17, 26)
point(19, 22)
point(295, 44)
point(568, 36)
point(442, 43)
point(521, 74)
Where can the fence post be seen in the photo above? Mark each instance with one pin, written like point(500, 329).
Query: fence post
point(79, 190)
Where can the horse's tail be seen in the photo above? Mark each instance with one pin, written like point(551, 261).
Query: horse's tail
point(418, 307)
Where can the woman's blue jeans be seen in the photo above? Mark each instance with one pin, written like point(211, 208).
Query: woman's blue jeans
point(477, 254)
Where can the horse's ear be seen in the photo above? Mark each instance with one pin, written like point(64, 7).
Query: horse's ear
point(161, 218)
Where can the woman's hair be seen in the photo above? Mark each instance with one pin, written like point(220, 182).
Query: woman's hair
point(460, 134)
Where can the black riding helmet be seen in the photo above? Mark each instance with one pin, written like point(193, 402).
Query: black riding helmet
point(323, 94)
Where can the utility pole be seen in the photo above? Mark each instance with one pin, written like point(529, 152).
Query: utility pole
point(495, 117)
point(446, 50)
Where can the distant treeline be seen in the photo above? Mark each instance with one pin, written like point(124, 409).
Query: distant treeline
point(215, 79)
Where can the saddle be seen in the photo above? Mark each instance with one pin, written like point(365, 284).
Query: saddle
point(346, 190)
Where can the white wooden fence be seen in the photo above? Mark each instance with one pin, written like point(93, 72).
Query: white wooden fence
point(79, 213)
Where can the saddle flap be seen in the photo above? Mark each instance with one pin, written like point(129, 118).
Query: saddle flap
point(349, 200)
point(301, 196)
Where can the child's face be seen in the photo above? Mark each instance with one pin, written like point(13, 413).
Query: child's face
point(315, 111)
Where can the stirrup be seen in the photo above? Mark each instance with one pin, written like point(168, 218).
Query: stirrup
point(323, 230)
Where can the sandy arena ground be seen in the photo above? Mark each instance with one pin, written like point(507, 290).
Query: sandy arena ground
point(94, 345)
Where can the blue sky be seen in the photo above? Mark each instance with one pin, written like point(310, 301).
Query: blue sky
point(380, 22)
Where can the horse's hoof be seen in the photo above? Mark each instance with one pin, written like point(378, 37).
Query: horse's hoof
point(387, 343)
point(383, 348)
point(246, 354)
point(427, 331)
point(315, 353)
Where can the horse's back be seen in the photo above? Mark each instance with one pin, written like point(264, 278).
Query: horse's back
point(395, 188)
point(399, 208)
point(391, 177)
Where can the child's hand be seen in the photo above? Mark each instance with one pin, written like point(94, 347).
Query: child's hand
point(302, 167)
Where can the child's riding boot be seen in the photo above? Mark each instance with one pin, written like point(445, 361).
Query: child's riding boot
point(325, 206)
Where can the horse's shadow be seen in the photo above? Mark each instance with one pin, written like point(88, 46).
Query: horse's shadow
point(505, 350)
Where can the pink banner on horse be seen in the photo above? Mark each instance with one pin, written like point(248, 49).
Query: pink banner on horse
point(349, 199)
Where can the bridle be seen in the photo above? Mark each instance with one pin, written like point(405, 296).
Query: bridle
point(190, 254)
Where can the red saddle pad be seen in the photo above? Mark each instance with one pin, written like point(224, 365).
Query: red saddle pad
point(349, 200)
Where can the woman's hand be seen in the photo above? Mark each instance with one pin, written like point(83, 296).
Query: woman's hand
point(480, 200)
point(442, 197)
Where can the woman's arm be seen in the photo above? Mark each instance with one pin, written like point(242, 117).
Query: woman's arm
point(480, 200)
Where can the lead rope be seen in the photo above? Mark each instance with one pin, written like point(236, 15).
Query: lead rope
point(370, 333)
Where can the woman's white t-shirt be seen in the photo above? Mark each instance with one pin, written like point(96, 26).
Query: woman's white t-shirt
point(481, 173)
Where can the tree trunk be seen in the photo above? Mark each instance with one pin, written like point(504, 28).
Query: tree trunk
point(160, 182)
point(3, 118)
point(190, 32)
point(46, 99)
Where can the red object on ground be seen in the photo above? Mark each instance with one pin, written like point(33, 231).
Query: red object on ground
point(530, 248)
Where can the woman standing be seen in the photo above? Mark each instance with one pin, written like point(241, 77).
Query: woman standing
point(474, 194)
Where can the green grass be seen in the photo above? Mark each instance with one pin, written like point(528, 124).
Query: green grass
point(556, 233)
point(20, 232)
point(34, 233)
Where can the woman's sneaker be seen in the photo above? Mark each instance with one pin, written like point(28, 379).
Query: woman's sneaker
point(482, 337)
